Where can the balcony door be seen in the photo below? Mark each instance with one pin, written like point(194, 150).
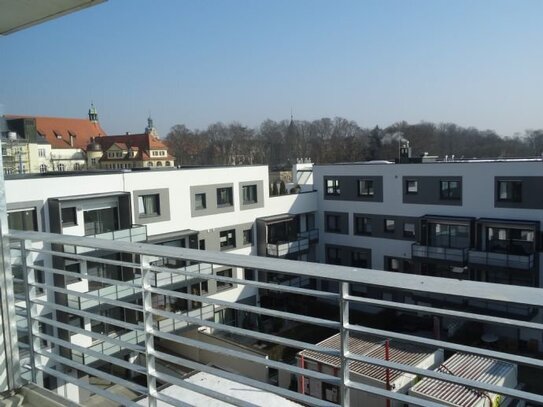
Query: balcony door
point(101, 221)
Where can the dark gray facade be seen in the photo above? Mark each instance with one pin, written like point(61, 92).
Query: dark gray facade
point(339, 223)
point(378, 226)
point(530, 195)
point(429, 190)
point(349, 188)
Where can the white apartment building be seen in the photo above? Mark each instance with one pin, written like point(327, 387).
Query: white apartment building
point(203, 208)
point(470, 220)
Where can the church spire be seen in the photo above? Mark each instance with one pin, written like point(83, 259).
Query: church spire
point(150, 129)
point(93, 114)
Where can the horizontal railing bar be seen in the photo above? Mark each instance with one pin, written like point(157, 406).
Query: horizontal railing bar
point(94, 335)
point(244, 380)
point(244, 332)
point(445, 312)
point(447, 345)
point(93, 353)
point(387, 394)
point(81, 256)
point(261, 360)
point(90, 315)
point(409, 282)
point(123, 401)
point(249, 308)
point(448, 378)
point(90, 277)
point(252, 283)
point(202, 390)
point(92, 371)
point(92, 297)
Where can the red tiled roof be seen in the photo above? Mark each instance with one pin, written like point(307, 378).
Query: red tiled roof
point(83, 130)
point(143, 142)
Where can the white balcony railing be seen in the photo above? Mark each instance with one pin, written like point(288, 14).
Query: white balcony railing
point(156, 337)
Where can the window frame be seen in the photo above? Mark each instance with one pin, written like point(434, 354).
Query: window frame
point(73, 212)
point(203, 201)
point(513, 190)
point(411, 182)
point(252, 189)
point(141, 205)
point(229, 201)
point(332, 187)
point(407, 233)
point(366, 188)
point(448, 193)
point(34, 217)
point(386, 223)
point(248, 237)
point(367, 222)
point(230, 242)
point(337, 222)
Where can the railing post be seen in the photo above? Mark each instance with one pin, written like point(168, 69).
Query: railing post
point(344, 335)
point(148, 325)
point(29, 279)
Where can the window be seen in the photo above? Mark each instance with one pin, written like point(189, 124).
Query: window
point(333, 223)
point(248, 236)
point(41, 152)
point(101, 221)
point(409, 230)
point(200, 201)
point(411, 186)
point(454, 236)
point(365, 187)
point(332, 187)
point(61, 167)
point(390, 225)
point(149, 205)
point(150, 164)
point(359, 259)
point(249, 194)
point(73, 267)
point(362, 225)
point(93, 161)
point(227, 239)
point(43, 168)
point(168, 164)
point(450, 190)
point(333, 255)
point(250, 274)
point(159, 163)
point(202, 244)
point(510, 191)
point(23, 220)
point(77, 167)
point(223, 285)
point(69, 216)
point(224, 196)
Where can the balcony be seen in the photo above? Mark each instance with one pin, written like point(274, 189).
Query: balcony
point(155, 350)
point(136, 233)
point(503, 260)
point(281, 249)
point(312, 235)
point(448, 254)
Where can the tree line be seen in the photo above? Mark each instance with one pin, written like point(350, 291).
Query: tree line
point(339, 140)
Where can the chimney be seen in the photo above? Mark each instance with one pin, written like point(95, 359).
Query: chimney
point(405, 151)
point(72, 137)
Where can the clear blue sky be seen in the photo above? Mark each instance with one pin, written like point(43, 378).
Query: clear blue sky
point(474, 62)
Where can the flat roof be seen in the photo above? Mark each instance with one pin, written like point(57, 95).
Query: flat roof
point(472, 367)
point(372, 347)
point(249, 394)
point(439, 161)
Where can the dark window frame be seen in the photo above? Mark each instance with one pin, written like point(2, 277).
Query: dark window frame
point(201, 203)
point(230, 236)
point(332, 187)
point(248, 237)
point(366, 188)
point(143, 204)
point(513, 190)
point(386, 225)
point(366, 223)
point(336, 226)
point(225, 197)
point(447, 192)
point(249, 194)
point(411, 182)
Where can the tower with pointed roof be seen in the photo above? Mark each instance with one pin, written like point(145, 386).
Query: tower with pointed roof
point(93, 114)
point(150, 129)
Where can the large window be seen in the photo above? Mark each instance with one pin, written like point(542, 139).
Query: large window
point(510, 191)
point(249, 194)
point(149, 205)
point(513, 241)
point(332, 187)
point(453, 236)
point(200, 201)
point(223, 285)
point(450, 190)
point(365, 188)
point(411, 186)
point(69, 216)
point(333, 223)
point(227, 239)
point(101, 221)
point(224, 196)
point(23, 220)
point(362, 225)
point(389, 225)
